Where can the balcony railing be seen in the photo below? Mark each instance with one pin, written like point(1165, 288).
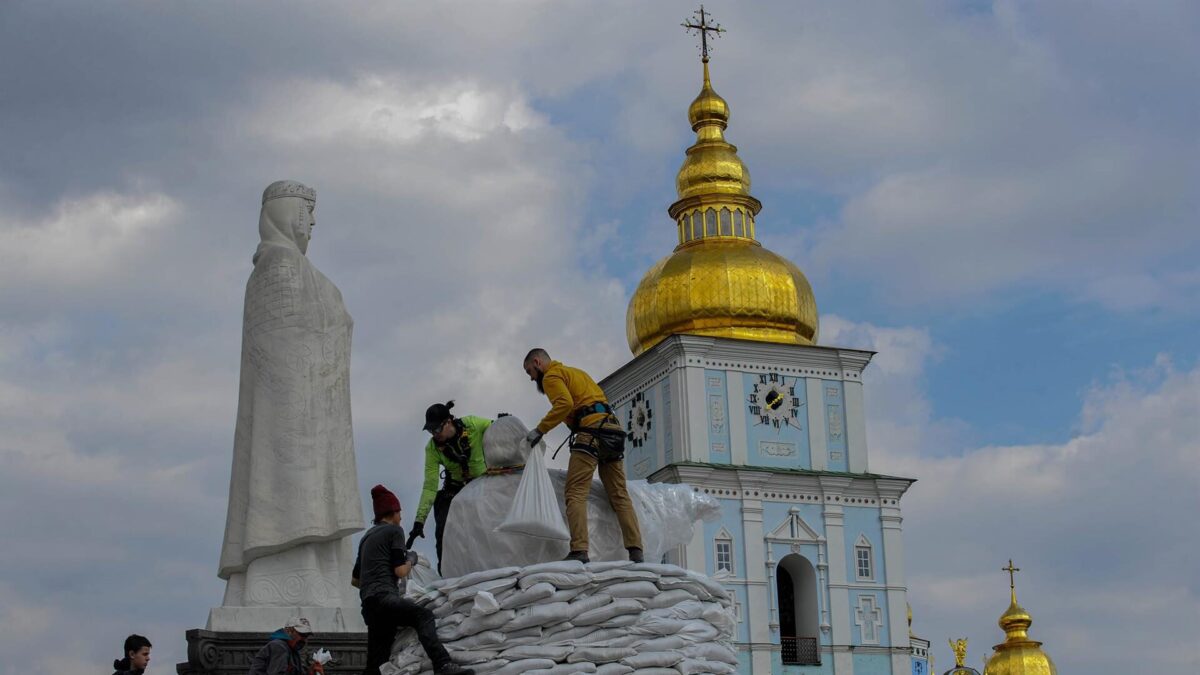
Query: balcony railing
point(800, 651)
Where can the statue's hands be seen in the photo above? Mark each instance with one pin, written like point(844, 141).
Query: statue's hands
point(418, 530)
point(533, 437)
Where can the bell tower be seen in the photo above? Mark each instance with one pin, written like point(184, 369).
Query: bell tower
point(729, 392)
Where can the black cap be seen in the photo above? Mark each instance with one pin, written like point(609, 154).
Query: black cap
point(437, 414)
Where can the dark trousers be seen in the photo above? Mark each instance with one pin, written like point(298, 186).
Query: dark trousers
point(441, 511)
point(389, 613)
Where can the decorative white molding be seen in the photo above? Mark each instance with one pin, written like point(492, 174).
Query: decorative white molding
point(869, 619)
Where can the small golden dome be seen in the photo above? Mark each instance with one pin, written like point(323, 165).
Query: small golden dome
point(1018, 655)
point(719, 281)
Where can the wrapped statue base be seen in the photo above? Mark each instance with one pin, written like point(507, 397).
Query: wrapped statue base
point(666, 512)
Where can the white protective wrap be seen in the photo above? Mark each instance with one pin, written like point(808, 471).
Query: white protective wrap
point(666, 514)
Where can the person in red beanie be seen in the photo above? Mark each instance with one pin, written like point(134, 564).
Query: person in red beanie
point(382, 560)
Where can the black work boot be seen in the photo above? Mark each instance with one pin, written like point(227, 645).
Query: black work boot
point(635, 554)
point(452, 669)
point(581, 556)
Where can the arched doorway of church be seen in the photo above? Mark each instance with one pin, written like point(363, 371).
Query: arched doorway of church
point(799, 623)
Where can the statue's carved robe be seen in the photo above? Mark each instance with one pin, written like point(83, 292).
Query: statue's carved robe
point(293, 493)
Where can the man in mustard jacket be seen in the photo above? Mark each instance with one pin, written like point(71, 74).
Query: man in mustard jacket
point(598, 440)
point(457, 447)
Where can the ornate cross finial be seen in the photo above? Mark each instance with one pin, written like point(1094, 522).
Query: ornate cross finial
point(703, 28)
point(1012, 582)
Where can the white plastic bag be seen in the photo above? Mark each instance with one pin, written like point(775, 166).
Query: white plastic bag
point(535, 511)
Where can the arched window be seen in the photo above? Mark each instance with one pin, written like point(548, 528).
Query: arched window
point(799, 624)
point(723, 552)
point(864, 561)
point(726, 223)
point(710, 222)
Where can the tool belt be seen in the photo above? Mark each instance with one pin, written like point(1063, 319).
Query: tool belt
point(450, 486)
point(605, 441)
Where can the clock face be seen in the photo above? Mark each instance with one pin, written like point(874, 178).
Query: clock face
point(773, 402)
point(639, 420)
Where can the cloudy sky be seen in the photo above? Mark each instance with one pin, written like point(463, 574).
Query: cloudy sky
point(1000, 198)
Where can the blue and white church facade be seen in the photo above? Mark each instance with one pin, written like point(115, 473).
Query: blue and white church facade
point(809, 541)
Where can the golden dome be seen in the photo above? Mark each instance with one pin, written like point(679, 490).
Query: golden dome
point(719, 281)
point(1018, 655)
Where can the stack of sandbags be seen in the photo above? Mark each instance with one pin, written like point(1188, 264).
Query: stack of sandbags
point(609, 618)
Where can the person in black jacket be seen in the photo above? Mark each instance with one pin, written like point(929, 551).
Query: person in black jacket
point(137, 656)
point(284, 652)
point(382, 560)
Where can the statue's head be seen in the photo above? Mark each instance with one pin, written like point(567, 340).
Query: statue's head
point(287, 214)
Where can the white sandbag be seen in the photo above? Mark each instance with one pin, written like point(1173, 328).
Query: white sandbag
point(627, 640)
point(661, 644)
point(479, 577)
point(479, 624)
point(602, 614)
point(619, 575)
point(685, 584)
point(606, 565)
point(632, 589)
point(589, 602)
point(614, 669)
point(557, 566)
point(711, 651)
point(540, 615)
point(652, 659)
point(492, 586)
point(567, 594)
point(656, 671)
point(699, 630)
point(519, 667)
point(600, 654)
point(528, 596)
point(566, 669)
point(658, 625)
point(466, 657)
point(584, 635)
point(535, 511)
point(668, 599)
point(504, 442)
point(479, 641)
point(719, 616)
point(488, 667)
point(659, 570)
point(666, 513)
point(554, 653)
point(620, 621)
point(698, 667)
point(688, 609)
point(715, 589)
point(557, 579)
point(485, 603)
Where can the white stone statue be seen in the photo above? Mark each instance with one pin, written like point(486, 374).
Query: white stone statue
point(293, 494)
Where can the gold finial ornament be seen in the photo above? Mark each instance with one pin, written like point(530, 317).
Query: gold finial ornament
point(1017, 655)
point(719, 281)
point(960, 652)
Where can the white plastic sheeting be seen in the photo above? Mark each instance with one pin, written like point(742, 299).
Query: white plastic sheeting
point(666, 513)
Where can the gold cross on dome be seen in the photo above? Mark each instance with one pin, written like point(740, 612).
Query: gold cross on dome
point(703, 28)
point(1012, 585)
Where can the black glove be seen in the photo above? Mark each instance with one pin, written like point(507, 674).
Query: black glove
point(418, 530)
point(533, 437)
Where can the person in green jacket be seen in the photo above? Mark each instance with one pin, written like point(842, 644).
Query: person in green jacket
point(455, 451)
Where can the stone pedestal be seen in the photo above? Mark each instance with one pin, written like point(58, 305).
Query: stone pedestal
point(229, 653)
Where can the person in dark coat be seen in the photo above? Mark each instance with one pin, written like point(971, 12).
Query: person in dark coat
point(284, 652)
point(137, 656)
